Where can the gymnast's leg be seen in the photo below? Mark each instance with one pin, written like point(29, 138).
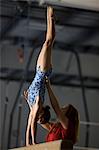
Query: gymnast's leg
point(44, 58)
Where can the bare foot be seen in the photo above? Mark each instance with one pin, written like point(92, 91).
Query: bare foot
point(50, 11)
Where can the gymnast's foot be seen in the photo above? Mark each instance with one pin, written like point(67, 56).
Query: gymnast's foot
point(50, 23)
point(50, 12)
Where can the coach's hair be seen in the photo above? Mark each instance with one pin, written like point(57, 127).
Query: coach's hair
point(73, 116)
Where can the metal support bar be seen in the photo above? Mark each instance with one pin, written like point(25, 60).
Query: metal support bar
point(19, 125)
point(69, 62)
point(84, 98)
point(4, 123)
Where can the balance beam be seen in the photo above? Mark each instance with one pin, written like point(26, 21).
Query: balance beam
point(55, 145)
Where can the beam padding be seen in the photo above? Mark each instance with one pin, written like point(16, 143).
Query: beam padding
point(55, 145)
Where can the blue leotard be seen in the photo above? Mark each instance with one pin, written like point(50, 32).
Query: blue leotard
point(37, 87)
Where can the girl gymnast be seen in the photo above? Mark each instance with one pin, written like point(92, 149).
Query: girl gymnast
point(35, 94)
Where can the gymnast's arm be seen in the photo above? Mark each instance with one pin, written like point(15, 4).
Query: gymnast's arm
point(47, 126)
point(25, 94)
point(35, 111)
point(28, 128)
point(32, 121)
point(32, 125)
point(54, 102)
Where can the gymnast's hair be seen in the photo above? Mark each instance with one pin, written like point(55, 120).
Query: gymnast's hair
point(46, 114)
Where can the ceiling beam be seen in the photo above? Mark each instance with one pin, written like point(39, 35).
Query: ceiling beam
point(68, 80)
point(59, 18)
point(85, 4)
point(88, 49)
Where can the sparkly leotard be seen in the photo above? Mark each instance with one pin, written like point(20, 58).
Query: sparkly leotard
point(37, 87)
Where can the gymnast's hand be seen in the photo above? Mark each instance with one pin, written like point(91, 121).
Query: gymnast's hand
point(34, 143)
point(28, 145)
point(25, 94)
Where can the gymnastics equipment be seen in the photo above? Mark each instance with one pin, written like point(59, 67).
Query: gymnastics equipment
point(55, 145)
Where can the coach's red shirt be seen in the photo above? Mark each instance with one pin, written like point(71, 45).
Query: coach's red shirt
point(57, 132)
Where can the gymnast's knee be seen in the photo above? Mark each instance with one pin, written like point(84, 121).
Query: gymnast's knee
point(49, 42)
